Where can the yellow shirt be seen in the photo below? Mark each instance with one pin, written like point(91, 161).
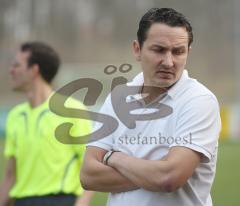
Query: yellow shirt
point(43, 164)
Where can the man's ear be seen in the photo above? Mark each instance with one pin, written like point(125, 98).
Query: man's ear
point(35, 70)
point(189, 49)
point(137, 50)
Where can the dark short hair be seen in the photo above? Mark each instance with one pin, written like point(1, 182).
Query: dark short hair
point(44, 56)
point(166, 16)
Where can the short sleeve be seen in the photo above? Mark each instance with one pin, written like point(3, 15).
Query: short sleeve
point(10, 144)
point(199, 125)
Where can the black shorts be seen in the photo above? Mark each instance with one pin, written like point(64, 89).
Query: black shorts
point(47, 200)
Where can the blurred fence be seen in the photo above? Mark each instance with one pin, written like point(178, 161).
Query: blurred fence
point(102, 31)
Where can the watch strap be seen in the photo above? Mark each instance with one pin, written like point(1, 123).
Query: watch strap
point(107, 156)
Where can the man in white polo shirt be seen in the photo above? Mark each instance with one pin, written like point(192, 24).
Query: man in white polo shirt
point(165, 161)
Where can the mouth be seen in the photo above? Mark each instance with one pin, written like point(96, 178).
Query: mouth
point(164, 74)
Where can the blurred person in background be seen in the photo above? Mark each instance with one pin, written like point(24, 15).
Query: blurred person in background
point(40, 170)
point(167, 161)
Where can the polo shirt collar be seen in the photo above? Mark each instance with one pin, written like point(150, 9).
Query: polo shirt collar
point(172, 92)
point(176, 88)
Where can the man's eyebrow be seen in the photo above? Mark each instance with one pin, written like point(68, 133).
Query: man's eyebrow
point(179, 47)
point(158, 46)
point(165, 47)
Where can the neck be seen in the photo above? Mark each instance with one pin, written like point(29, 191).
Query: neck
point(38, 93)
point(152, 92)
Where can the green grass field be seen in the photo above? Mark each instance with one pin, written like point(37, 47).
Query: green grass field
point(225, 191)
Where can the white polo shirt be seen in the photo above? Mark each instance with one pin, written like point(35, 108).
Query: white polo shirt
point(194, 123)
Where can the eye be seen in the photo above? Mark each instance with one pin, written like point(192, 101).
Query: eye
point(158, 50)
point(178, 51)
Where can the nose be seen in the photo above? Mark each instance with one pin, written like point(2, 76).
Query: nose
point(167, 60)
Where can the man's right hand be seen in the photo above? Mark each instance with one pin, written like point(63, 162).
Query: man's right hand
point(99, 177)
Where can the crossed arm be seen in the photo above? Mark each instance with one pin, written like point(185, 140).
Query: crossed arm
point(125, 173)
point(99, 177)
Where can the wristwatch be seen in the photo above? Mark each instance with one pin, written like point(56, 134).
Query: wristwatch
point(107, 156)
